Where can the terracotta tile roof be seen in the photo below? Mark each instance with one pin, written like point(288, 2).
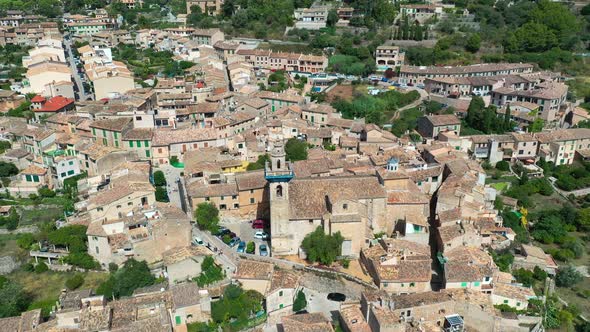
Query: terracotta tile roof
point(354, 320)
point(405, 271)
point(308, 196)
point(185, 294)
point(314, 322)
point(117, 192)
point(115, 124)
point(512, 291)
point(165, 137)
point(179, 254)
point(467, 264)
point(202, 190)
point(282, 279)
point(138, 134)
point(34, 170)
point(250, 180)
point(443, 120)
point(248, 269)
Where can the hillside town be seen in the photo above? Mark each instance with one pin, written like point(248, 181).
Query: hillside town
point(163, 172)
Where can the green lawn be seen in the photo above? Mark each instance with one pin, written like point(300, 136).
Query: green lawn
point(572, 296)
point(30, 217)
point(500, 186)
point(45, 287)
point(541, 203)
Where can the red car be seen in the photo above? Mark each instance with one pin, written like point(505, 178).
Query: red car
point(258, 224)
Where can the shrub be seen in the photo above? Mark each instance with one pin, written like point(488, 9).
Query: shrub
point(159, 178)
point(25, 240)
point(41, 267)
point(503, 166)
point(567, 276)
point(83, 260)
point(75, 281)
point(207, 216)
point(250, 247)
point(46, 192)
point(300, 302)
point(113, 267)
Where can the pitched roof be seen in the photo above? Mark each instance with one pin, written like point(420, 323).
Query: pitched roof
point(443, 119)
point(186, 294)
point(114, 124)
point(250, 180)
point(314, 322)
point(248, 269)
point(308, 196)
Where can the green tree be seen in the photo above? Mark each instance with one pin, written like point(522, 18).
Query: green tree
point(507, 120)
point(300, 301)
point(25, 240)
point(162, 194)
point(211, 272)
point(250, 247)
point(46, 192)
point(207, 216)
point(332, 18)
point(473, 43)
point(14, 299)
point(567, 276)
point(83, 260)
point(503, 165)
point(531, 37)
point(583, 219)
point(159, 178)
point(41, 267)
point(296, 149)
point(74, 237)
point(321, 247)
point(75, 281)
point(259, 164)
point(7, 169)
point(536, 126)
point(133, 275)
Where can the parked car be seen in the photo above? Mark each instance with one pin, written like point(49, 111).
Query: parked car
point(234, 241)
point(338, 297)
point(221, 231)
point(242, 246)
point(197, 241)
point(261, 235)
point(258, 224)
point(263, 250)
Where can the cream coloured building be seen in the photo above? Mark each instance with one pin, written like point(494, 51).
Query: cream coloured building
point(49, 79)
point(109, 79)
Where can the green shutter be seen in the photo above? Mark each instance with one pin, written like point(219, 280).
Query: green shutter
point(116, 134)
point(463, 284)
point(71, 172)
point(476, 283)
point(104, 133)
point(147, 153)
point(146, 143)
point(178, 320)
point(138, 144)
point(130, 144)
point(28, 177)
point(94, 131)
point(35, 178)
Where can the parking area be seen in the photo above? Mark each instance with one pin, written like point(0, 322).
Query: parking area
point(245, 232)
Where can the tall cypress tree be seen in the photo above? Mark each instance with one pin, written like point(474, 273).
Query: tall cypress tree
point(507, 119)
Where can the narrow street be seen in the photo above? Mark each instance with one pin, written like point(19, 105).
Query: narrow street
point(70, 56)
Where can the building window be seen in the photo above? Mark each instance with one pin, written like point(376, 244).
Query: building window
point(476, 283)
point(463, 284)
point(236, 206)
point(505, 301)
point(252, 200)
point(206, 199)
point(130, 203)
point(147, 153)
point(222, 207)
point(518, 304)
point(412, 284)
point(96, 248)
point(222, 198)
point(279, 191)
point(118, 206)
point(345, 206)
point(251, 191)
point(99, 209)
point(280, 293)
point(130, 144)
point(234, 197)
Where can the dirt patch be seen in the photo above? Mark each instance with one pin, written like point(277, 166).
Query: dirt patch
point(340, 91)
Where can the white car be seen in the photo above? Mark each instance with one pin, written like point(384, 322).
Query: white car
point(261, 235)
point(198, 241)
